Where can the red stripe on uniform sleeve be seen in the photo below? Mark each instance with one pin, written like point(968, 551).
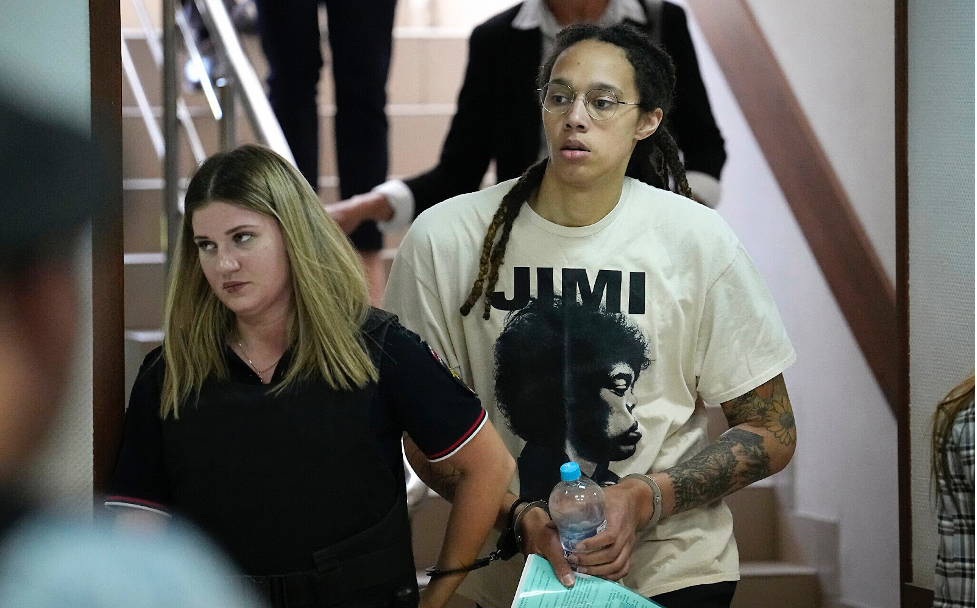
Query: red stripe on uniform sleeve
point(464, 438)
point(119, 500)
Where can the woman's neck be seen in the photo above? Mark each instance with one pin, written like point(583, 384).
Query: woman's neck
point(267, 335)
point(575, 205)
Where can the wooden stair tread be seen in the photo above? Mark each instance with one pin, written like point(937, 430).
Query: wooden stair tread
point(775, 568)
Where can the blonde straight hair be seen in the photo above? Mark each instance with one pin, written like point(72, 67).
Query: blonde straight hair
point(331, 298)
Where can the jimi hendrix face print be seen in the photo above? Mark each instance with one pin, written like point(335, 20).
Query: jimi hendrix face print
point(565, 376)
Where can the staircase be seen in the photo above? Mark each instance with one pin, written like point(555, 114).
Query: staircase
point(425, 76)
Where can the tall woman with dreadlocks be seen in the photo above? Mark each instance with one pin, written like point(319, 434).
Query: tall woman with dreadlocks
point(584, 227)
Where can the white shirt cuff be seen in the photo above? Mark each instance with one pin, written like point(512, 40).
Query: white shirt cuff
point(401, 199)
point(705, 187)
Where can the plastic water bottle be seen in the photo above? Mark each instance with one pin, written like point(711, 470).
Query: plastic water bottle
point(577, 507)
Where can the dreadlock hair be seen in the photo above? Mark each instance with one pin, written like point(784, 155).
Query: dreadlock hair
point(655, 159)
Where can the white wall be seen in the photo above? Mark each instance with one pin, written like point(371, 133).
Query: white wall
point(448, 13)
point(44, 55)
point(838, 57)
point(941, 234)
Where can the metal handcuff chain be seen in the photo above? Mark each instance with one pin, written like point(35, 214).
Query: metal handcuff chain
point(509, 541)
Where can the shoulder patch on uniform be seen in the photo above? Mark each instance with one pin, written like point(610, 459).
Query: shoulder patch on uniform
point(447, 368)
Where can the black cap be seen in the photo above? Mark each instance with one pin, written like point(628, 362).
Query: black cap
point(52, 180)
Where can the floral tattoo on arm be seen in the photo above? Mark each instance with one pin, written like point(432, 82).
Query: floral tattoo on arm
point(738, 457)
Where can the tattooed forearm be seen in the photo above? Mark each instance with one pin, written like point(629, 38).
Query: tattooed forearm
point(739, 457)
point(440, 477)
point(768, 407)
point(735, 460)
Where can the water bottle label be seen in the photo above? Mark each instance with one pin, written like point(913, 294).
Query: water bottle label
point(570, 538)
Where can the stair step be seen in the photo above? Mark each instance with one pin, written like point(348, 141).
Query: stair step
point(755, 522)
point(773, 568)
point(415, 143)
point(142, 210)
point(777, 585)
point(426, 67)
point(144, 293)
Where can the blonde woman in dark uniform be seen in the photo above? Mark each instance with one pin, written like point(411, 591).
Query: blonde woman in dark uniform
point(272, 415)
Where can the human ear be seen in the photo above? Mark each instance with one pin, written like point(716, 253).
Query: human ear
point(648, 123)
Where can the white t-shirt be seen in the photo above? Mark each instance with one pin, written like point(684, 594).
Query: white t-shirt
point(658, 263)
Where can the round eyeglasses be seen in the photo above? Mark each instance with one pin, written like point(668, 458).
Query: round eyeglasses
point(601, 104)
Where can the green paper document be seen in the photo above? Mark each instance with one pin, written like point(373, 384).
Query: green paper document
point(539, 588)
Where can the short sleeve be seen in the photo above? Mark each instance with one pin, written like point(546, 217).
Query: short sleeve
point(741, 342)
point(433, 405)
point(139, 479)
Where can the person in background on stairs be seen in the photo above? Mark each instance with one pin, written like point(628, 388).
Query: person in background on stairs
point(586, 225)
point(51, 185)
point(273, 413)
point(497, 116)
point(360, 40)
point(953, 476)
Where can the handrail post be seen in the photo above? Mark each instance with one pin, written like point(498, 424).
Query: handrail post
point(226, 95)
point(171, 161)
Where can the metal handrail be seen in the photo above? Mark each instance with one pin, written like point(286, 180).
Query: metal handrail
point(205, 83)
point(244, 78)
point(144, 108)
point(240, 81)
point(183, 113)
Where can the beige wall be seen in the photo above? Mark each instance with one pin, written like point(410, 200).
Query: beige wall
point(838, 57)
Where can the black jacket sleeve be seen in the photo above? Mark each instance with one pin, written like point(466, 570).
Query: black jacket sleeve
point(431, 403)
point(497, 115)
point(140, 478)
point(464, 159)
point(691, 123)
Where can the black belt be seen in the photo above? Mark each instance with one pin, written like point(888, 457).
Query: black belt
point(371, 569)
point(293, 590)
point(312, 589)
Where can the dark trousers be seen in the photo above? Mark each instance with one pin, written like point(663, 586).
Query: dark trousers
point(360, 38)
point(716, 595)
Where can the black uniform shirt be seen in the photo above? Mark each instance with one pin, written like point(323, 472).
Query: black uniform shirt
point(274, 477)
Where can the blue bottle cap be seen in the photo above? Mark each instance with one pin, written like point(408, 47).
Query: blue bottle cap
point(570, 471)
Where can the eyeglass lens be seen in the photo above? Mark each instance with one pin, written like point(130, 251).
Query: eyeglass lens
point(600, 104)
